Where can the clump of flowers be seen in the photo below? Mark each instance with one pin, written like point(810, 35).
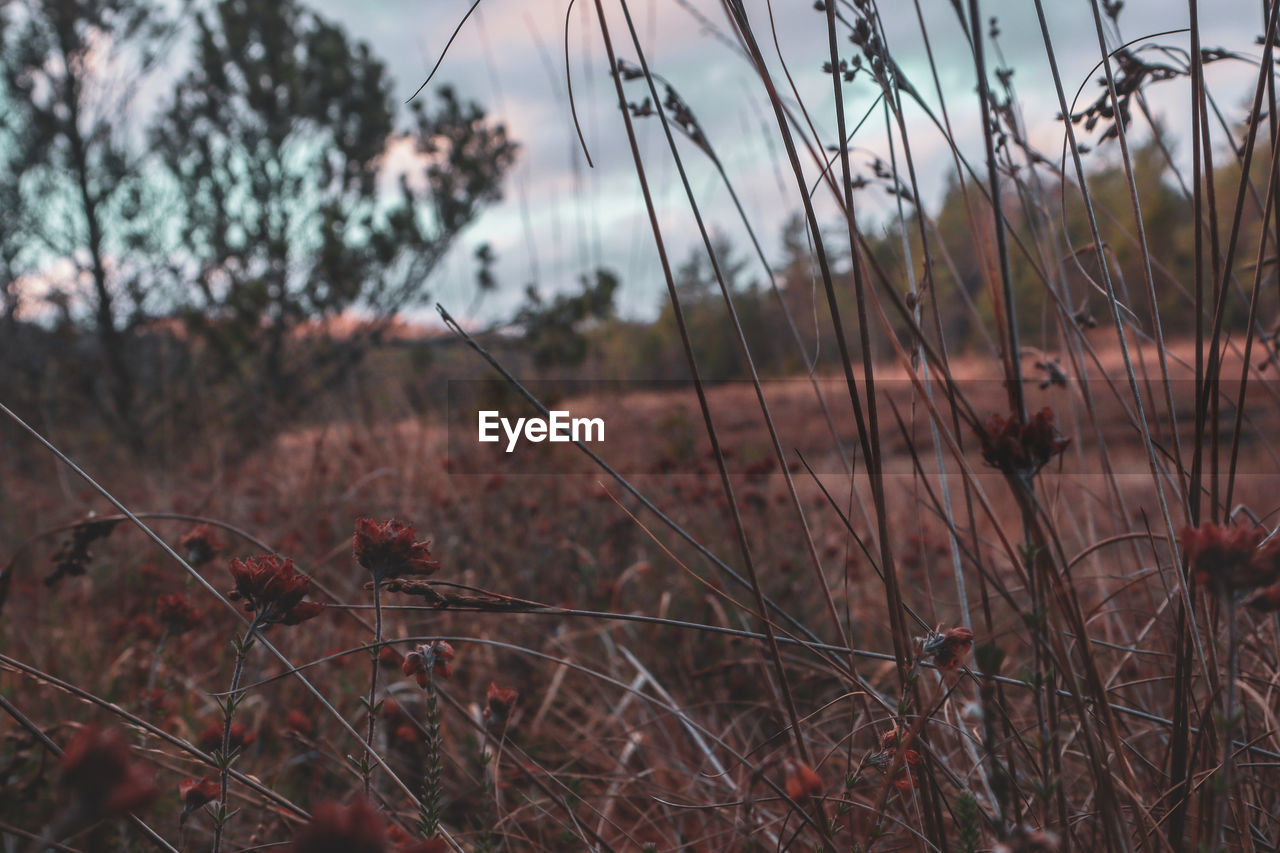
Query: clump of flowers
point(273, 590)
point(1233, 559)
point(948, 648)
point(356, 828)
point(389, 550)
point(177, 614)
point(1021, 449)
point(104, 780)
point(201, 544)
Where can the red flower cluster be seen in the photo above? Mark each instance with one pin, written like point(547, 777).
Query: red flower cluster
point(1020, 449)
point(948, 647)
point(104, 780)
point(499, 703)
point(201, 544)
point(388, 550)
point(177, 614)
point(357, 828)
point(1234, 559)
point(273, 590)
point(432, 659)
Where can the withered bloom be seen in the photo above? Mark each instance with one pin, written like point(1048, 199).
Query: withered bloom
point(948, 647)
point(388, 550)
point(99, 770)
point(273, 590)
point(1232, 559)
point(499, 703)
point(1019, 449)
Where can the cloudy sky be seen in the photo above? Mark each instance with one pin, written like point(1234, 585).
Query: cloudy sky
point(561, 219)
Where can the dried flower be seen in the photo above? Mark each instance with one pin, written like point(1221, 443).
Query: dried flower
point(431, 659)
point(99, 770)
point(801, 780)
point(948, 647)
point(273, 590)
point(177, 614)
point(499, 703)
point(1230, 559)
point(201, 544)
point(196, 792)
point(1020, 449)
point(388, 550)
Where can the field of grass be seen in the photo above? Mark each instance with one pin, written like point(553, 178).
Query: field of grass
point(1016, 597)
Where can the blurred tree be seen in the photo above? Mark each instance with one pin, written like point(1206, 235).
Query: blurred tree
point(281, 141)
point(72, 199)
point(554, 331)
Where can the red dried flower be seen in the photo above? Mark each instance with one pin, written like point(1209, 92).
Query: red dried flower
point(273, 590)
point(201, 544)
point(1230, 559)
point(177, 614)
point(196, 792)
point(499, 703)
point(949, 646)
point(388, 550)
point(801, 780)
point(1020, 449)
point(104, 780)
point(431, 659)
